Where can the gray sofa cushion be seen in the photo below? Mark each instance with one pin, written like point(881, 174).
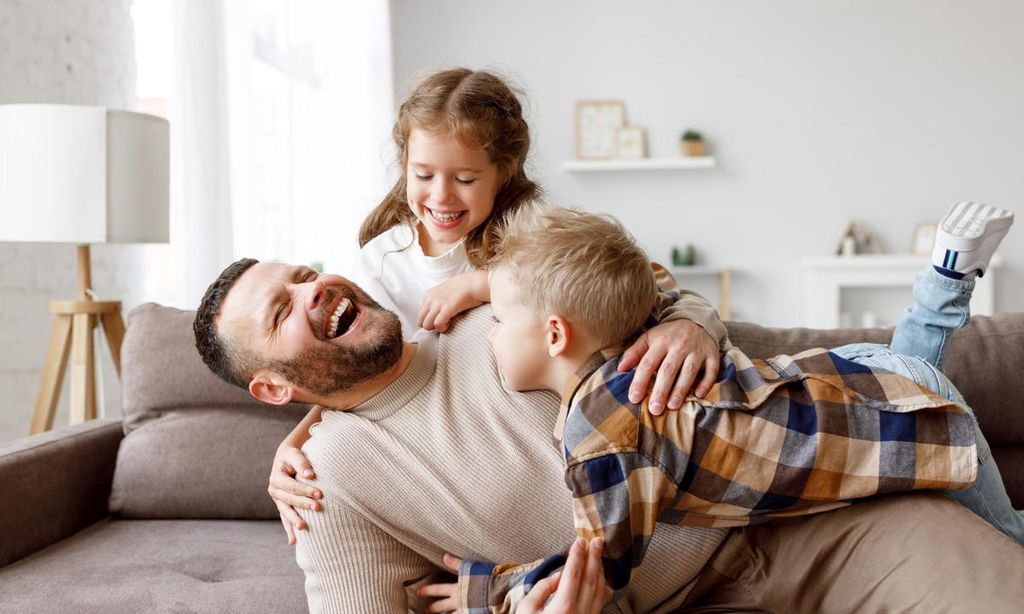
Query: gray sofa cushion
point(214, 566)
point(194, 446)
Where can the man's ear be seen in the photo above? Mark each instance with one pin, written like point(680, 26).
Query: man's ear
point(558, 335)
point(270, 387)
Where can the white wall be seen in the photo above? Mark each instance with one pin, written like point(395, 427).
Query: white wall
point(59, 51)
point(818, 112)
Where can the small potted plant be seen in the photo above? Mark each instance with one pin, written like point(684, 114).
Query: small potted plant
point(691, 143)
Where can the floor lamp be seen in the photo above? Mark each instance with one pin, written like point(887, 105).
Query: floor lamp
point(81, 175)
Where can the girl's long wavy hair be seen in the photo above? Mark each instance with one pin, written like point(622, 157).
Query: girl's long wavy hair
point(480, 108)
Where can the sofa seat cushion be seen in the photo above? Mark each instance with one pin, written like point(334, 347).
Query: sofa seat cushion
point(160, 566)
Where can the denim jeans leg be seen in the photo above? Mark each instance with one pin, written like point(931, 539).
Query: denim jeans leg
point(941, 304)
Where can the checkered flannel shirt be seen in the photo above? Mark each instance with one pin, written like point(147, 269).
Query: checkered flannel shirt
point(787, 436)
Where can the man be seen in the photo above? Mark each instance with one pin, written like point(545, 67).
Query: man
point(404, 479)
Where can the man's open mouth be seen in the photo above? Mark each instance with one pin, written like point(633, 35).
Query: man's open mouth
point(341, 320)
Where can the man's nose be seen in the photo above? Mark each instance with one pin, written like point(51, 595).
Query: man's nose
point(316, 293)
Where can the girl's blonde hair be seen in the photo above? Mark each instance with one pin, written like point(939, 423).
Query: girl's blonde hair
point(583, 266)
point(478, 107)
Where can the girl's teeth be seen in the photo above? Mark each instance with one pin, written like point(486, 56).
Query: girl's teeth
point(445, 217)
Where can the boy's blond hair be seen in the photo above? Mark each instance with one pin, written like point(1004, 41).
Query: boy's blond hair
point(582, 266)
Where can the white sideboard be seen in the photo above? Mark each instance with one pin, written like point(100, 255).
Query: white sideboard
point(825, 278)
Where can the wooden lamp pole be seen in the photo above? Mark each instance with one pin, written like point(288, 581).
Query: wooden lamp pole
point(73, 325)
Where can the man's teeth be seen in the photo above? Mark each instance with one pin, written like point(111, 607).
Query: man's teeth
point(446, 217)
point(342, 308)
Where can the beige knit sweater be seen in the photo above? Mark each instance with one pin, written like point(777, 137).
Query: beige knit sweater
point(446, 460)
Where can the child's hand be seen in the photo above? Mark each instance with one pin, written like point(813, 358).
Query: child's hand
point(676, 351)
point(288, 493)
point(447, 595)
point(578, 588)
point(450, 298)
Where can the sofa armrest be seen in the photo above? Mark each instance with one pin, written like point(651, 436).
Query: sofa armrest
point(54, 484)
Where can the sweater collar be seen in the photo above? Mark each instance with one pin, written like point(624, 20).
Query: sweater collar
point(409, 384)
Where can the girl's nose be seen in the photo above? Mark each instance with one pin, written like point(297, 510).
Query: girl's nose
point(441, 192)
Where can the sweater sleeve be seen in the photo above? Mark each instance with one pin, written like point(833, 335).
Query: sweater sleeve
point(352, 565)
point(675, 303)
point(616, 496)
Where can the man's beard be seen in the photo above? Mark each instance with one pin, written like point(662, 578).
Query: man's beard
point(329, 368)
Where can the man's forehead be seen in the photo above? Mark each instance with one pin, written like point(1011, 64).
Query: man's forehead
point(252, 293)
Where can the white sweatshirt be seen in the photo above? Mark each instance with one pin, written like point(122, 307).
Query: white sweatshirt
point(394, 271)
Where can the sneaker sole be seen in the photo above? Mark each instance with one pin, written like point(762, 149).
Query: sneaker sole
point(967, 223)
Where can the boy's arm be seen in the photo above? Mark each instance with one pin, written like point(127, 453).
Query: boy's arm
point(676, 303)
point(616, 496)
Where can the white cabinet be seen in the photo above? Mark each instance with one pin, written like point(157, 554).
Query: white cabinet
point(825, 279)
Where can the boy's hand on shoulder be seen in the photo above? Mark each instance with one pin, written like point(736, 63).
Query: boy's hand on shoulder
point(450, 298)
point(674, 353)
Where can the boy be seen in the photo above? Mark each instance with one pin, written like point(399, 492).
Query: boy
point(786, 436)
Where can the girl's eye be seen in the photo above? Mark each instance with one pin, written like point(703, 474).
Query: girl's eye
point(424, 177)
point(466, 181)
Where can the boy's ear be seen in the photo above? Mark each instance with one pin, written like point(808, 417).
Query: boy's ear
point(558, 335)
point(270, 387)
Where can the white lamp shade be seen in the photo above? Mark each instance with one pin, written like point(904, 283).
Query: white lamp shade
point(76, 174)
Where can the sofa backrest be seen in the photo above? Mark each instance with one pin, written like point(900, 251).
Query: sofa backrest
point(197, 447)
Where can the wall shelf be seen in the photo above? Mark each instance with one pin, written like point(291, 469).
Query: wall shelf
point(640, 164)
point(825, 279)
point(722, 273)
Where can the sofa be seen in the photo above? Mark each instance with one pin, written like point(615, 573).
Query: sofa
point(165, 510)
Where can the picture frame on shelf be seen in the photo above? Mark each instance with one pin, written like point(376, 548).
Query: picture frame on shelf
point(597, 126)
point(924, 239)
point(631, 143)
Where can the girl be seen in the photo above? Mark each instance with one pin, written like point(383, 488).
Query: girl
point(462, 143)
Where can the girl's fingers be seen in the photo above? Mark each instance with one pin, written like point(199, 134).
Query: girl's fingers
point(438, 590)
point(572, 575)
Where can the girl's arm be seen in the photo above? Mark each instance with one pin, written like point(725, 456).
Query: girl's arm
point(286, 491)
point(450, 298)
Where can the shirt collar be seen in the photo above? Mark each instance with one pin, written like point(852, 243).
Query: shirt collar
point(581, 375)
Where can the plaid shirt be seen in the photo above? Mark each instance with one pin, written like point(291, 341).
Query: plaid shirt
point(787, 436)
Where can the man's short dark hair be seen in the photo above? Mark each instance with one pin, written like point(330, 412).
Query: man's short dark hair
point(221, 356)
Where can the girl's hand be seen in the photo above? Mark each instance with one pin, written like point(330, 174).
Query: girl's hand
point(450, 298)
point(578, 588)
point(676, 351)
point(288, 493)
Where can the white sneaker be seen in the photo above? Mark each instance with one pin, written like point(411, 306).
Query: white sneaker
point(967, 237)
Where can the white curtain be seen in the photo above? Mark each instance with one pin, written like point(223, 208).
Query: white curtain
point(201, 217)
point(334, 164)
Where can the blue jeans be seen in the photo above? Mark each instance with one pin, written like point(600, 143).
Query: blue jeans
point(919, 345)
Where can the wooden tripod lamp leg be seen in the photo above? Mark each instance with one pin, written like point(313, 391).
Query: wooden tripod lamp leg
point(83, 371)
point(53, 375)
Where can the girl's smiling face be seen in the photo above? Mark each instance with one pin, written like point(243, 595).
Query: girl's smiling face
point(450, 187)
